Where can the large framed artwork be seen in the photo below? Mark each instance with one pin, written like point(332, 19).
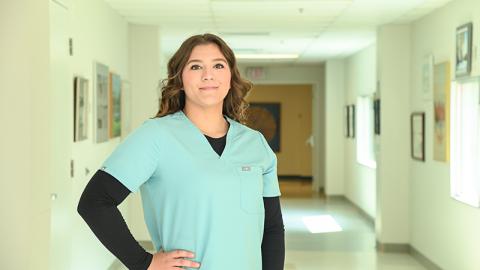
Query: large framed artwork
point(101, 102)
point(417, 128)
point(80, 111)
point(441, 110)
point(463, 64)
point(115, 110)
point(265, 117)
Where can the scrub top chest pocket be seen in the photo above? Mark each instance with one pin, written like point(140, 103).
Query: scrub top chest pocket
point(251, 188)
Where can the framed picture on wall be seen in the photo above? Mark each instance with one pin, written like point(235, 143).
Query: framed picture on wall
point(376, 116)
point(417, 128)
point(115, 106)
point(265, 117)
point(347, 123)
point(80, 109)
point(441, 112)
point(101, 102)
point(463, 64)
point(351, 120)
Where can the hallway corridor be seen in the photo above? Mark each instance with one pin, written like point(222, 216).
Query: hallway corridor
point(350, 249)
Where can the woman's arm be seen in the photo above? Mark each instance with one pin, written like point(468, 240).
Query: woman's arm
point(273, 244)
point(98, 207)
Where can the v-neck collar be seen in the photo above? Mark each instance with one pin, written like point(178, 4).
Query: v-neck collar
point(205, 142)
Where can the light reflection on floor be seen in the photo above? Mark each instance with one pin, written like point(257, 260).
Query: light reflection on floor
point(353, 248)
point(321, 224)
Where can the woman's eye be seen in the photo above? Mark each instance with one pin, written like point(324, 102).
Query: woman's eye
point(195, 67)
point(219, 66)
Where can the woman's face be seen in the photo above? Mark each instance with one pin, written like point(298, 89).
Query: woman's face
point(206, 77)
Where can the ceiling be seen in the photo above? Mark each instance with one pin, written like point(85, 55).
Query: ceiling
point(316, 30)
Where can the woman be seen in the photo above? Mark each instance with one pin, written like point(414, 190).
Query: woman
point(208, 183)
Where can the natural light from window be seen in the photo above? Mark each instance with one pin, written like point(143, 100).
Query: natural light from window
point(365, 138)
point(465, 142)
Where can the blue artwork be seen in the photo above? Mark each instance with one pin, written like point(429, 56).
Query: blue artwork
point(265, 117)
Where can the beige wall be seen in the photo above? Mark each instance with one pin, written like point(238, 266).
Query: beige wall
point(314, 75)
point(24, 136)
point(335, 143)
point(445, 230)
point(295, 156)
point(360, 80)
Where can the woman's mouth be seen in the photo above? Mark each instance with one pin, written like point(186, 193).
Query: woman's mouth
point(206, 88)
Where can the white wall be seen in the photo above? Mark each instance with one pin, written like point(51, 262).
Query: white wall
point(443, 229)
point(99, 34)
point(24, 110)
point(360, 80)
point(334, 127)
point(145, 70)
point(393, 73)
point(303, 74)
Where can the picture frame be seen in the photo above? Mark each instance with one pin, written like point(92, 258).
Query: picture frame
point(100, 94)
point(376, 116)
point(265, 117)
point(441, 112)
point(80, 109)
point(417, 128)
point(351, 121)
point(347, 121)
point(115, 105)
point(463, 55)
point(427, 77)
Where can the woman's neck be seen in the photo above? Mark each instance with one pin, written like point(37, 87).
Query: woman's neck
point(210, 121)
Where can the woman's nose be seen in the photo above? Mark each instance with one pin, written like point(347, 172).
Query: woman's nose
point(207, 74)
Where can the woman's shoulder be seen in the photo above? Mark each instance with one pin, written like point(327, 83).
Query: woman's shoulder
point(163, 121)
point(246, 131)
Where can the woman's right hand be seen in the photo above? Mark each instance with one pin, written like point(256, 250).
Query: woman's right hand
point(172, 260)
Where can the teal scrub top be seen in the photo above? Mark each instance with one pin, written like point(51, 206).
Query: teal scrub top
point(195, 200)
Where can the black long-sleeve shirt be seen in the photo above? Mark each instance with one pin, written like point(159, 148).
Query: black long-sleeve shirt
point(98, 207)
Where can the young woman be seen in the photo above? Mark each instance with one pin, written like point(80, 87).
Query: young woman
point(208, 183)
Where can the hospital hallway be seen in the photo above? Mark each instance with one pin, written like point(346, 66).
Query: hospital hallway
point(352, 248)
point(365, 112)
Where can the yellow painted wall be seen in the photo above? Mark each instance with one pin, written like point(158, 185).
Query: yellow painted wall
point(295, 156)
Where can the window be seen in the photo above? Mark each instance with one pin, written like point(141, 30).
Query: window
point(365, 143)
point(464, 143)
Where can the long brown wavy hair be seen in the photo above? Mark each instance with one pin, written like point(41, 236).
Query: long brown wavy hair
point(173, 98)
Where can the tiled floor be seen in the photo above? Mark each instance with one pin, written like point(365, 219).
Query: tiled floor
point(351, 249)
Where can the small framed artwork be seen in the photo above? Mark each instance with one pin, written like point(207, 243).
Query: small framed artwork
point(417, 128)
point(100, 95)
point(115, 108)
point(347, 123)
point(351, 121)
point(441, 112)
point(80, 109)
point(265, 117)
point(463, 63)
point(376, 116)
point(427, 77)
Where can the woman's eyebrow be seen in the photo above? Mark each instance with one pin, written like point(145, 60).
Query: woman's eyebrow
point(214, 60)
